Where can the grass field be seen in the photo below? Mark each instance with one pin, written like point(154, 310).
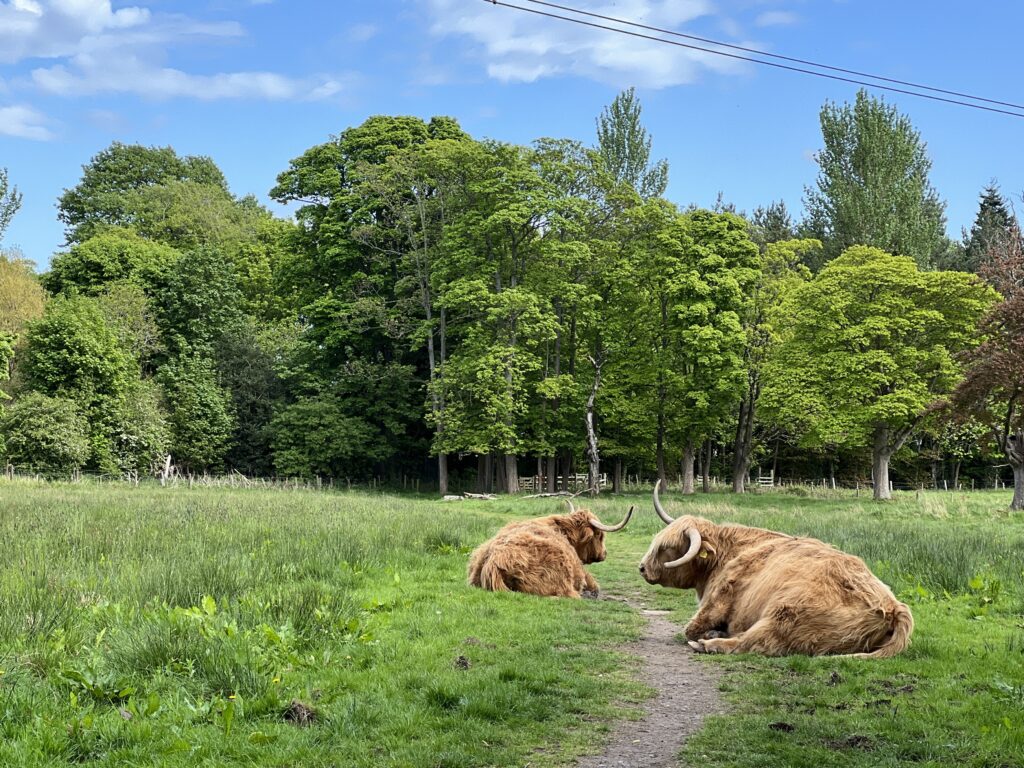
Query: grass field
point(148, 626)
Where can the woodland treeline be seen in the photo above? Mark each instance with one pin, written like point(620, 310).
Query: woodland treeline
point(468, 311)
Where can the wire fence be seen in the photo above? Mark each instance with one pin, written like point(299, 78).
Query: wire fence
point(630, 483)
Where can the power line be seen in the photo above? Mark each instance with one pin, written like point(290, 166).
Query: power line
point(752, 60)
point(772, 55)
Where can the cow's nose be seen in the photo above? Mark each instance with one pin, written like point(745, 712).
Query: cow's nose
point(641, 569)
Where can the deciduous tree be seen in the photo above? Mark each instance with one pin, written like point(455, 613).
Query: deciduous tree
point(993, 388)
point(873, 187)
point(867, 348)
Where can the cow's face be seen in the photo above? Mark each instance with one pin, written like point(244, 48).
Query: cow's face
point(587, 540)
point(670, 545)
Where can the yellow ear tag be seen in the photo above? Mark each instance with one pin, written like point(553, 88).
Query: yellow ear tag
point(703, 554)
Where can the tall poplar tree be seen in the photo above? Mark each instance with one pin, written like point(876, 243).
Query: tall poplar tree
point(873, 187)
point(625, 147)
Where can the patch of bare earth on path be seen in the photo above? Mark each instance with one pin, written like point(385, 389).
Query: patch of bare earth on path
point(686, 692)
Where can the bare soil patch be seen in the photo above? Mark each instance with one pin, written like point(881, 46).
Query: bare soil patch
point(686, 693)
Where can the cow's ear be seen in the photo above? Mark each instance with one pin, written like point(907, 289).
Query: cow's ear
point(586, 534)
point(707, 549)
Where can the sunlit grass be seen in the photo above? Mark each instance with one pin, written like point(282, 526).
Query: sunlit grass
point(150, 626)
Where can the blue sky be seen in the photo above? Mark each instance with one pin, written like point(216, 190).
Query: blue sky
point(253, 83)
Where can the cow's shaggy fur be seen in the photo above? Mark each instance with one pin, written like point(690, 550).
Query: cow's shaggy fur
point(776, 594)
point(543, 556)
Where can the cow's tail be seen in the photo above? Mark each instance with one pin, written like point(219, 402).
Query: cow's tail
point(902, 627)
point(492, 578)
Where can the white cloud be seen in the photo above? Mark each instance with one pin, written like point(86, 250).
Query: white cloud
point(776, 19)
point(24, 123)
point(525, 47)
point(90, 75)
point(96, 49)
point(360, 33)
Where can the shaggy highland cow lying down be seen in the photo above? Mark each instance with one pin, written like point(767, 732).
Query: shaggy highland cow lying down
point(767, 592)
point(543, 556)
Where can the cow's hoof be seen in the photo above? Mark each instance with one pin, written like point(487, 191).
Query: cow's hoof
point(698, 646)
point(588, 594)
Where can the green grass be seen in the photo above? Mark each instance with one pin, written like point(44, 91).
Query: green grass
point(175, 627)
point(956, 697)
point(148, 626)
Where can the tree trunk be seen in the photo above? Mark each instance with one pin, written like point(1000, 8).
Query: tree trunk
point(593, 457)
point(880, 455)
point(485, 473)
point(705, 479)
point(510, 473)
point(1018, 487)
point(498, 464)
point(617, 475)
point(956, 473)
point(552, 473)
point(744, 443)
point(659, 450)
point(567, 470)
point(1014, 449)
point(442, 473)
point(688, 457)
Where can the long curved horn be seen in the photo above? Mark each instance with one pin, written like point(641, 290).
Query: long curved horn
point(612, 528)
point(572, 507)
point(665, 516)
point(695, 540)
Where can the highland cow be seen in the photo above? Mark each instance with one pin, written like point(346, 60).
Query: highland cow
point(766, 592)
point(543, 556)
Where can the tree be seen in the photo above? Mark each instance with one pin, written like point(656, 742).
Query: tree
point(351, 290)
point(783, 269)
point(872, 187)
point(867, 348)
point(419, 190)
point(201, 420)
point(994, 225)
point(103, 197)
point(625, 147)
point(189, 214)
point(71, 351)
point(993, 388)
point(770, 224)
point(45, 434)
point(116, 254)
point(136, 428)
point(317, 437)
point(200, 300)
point(21, 296)
point(10, 202)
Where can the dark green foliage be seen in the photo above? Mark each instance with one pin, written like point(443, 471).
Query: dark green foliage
point(44, 434)
point(201, 419)
point(200, 300)
point(771, 224)
point(246, 367)
point(319, 437)
point(993, 227)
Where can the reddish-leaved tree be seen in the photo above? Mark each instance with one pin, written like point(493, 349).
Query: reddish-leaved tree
point(993, 387)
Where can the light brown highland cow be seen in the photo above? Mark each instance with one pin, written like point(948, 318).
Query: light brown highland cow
point(544, 556)
point(766, 592)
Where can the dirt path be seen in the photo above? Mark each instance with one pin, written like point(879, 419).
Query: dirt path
point(686, 693)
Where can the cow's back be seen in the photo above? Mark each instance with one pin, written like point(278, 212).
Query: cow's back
point(819, 599)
